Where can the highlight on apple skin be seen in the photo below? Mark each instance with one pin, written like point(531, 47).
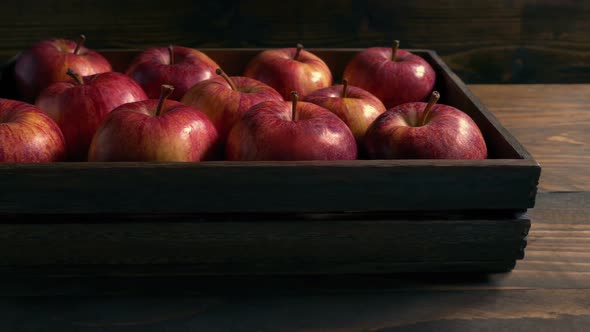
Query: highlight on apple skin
point(155, 130)
point(27, 135)
point(290, 69)
point(225, 99)
point(80, 105)
point(275, 130)
point(47, 62)
point(181, 67)
point(393, 75)
point(356, 107)
point(425, 131)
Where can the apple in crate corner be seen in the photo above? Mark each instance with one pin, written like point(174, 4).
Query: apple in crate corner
point(80, 105)
point(355, 106)
point(290, 69)
point(155, 130)
point(279, 130)
point(225, 99)
point(425, 131)
point(181, 67)
point(47, 62)
point(28, 135)
point(393, 75)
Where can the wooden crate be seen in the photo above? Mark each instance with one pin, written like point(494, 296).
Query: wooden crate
point(363, 216)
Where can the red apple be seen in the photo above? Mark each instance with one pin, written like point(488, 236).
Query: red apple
point(47, 62)
point(355, 106)
point(181, 67)
point(28, 135)
point(225, 99)
point(154, 130)
point(394, 76)
point(79, 106)
point(279, 130)
point(290, 69)
point(425, 131)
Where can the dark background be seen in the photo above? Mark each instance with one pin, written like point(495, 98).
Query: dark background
point(518, 41)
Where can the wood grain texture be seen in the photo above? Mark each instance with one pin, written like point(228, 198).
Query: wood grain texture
point(553, 123)
point(284, 246)
point(541, 296)
point(285, 187)
point(483, 41)
point(556, 258)
point(548, 291)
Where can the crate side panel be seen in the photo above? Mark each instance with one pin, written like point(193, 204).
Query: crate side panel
point(265, 247)
point(235, 187)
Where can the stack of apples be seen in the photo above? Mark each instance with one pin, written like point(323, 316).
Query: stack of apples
point(176, 104)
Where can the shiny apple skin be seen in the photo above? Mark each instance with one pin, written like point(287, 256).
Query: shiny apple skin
point(408, 79)
point(266, 132)
point(152, 68)
point(358, 110)
point(80, 109)
point(133, 132)
point(448, 134)
point(225, 106)
point(27, 135)
point(47, 62)
point(278, 69)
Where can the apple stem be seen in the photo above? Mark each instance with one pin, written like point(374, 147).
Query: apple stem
point(298, 51)
point(171, 53)
point(228, 79)
point(79, 44)
point(294, 99)
point(394, 49)
point(75, 76)
point(344, 87)
point(165, 92)
point(433, 99)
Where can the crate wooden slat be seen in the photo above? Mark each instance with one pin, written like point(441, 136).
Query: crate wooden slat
point(219, 187)
point(363, 216)
point(277, 245)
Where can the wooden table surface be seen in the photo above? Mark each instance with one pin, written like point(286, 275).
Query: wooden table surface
point(548, 291)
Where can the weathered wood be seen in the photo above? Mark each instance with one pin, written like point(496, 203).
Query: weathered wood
point(483, 41)
point(265, 247)
point(563, 207)
point(556, 258)
point(553, 122)
point(546, 294)
point(222, 187)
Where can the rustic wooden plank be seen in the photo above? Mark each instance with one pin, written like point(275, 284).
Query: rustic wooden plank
point(264, 247)
point(484, 41)
point(544, 295)
point(562, 207)
point(552, 121)
point(556, 257)
point(221, 187)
